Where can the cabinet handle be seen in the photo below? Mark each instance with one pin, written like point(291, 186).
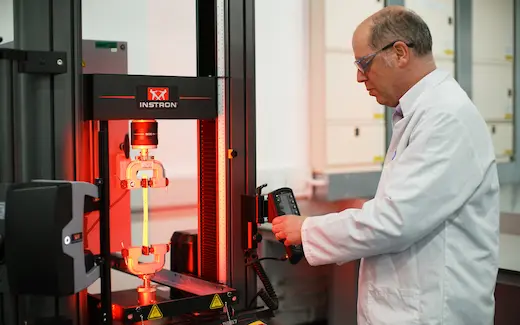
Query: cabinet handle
point(510, 93)
point(356, 132)
point(493, 129)
point(450, 21)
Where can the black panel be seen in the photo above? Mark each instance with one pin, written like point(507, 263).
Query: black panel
point(35, 216)
point(206, 38)
point(122, 97)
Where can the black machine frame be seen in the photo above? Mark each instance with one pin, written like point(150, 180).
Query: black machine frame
point(41, 84)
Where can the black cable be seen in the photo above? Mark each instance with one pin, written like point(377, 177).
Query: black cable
point(279, 259)
point(267, 294)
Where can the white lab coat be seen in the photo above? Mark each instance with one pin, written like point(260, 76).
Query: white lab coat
point(429, 239)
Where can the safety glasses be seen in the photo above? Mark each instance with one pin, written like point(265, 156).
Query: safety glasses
point(363, 63)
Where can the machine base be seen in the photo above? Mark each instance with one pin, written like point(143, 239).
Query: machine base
point(126, 309)
point(169, 311)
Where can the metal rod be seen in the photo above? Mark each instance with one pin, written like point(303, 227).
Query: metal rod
point(104, 224)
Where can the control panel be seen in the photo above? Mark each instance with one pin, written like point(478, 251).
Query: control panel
point(282, 202)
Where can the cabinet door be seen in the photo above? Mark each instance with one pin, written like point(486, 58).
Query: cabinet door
point(346, 99)
point(502, 135)
point(493, 90)
point(357, 146)
point(342, 17)
point(439, 15)
point(493, 30)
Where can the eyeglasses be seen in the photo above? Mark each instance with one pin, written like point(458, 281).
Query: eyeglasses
point(364, 62)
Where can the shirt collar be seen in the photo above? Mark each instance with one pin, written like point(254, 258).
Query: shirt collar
point(406, 103)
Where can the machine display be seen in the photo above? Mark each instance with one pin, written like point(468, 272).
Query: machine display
point(95, 120)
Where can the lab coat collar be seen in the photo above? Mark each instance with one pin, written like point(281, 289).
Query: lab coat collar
point(406, 103)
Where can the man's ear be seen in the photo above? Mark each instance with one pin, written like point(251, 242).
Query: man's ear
point(402, 53)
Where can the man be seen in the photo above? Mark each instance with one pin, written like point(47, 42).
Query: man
point(428, 241)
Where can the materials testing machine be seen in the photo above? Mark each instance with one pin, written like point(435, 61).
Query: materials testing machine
point(65, 154)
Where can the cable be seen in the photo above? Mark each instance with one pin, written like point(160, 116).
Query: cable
point(279, 259)
point(267, 294)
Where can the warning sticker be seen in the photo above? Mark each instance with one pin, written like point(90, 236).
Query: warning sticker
point(257, 323)
point(216, 302)
point(155, 313)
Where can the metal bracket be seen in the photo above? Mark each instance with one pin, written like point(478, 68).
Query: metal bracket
point(38, 62)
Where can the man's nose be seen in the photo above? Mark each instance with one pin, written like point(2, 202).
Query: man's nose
point(361, 76)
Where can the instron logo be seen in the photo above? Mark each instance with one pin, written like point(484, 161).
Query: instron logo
point(158, 98)
point(159, 94)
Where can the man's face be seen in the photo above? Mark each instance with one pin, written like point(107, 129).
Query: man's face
point(379, 74)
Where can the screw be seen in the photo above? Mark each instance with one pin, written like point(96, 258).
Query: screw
point(229, 294)
point(60, 62)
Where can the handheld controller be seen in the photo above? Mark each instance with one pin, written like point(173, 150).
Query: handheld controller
point(282, 202)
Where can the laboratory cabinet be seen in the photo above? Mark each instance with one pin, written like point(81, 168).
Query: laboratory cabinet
point(492, 31)
point(347, 125)
point(502, 135)
point(493, 90)
point(355, 147)
point(439, 15)
point(493, 70)
point(346, 98)
point(341, 17)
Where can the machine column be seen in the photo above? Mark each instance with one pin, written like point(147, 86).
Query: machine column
point(43, 115)
point(241, 121)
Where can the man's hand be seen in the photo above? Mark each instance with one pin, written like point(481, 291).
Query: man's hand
point(288, 228)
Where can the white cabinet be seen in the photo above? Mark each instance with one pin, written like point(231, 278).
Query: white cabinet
point(493, 70)
point(502, 135)
point(493, 29)
point(347, 125)
point(355, 145)
point(342, 17)
point(493, 90)
point(439, 15)
point(346, 99)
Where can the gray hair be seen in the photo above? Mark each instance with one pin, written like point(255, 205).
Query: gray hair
point(401, 25)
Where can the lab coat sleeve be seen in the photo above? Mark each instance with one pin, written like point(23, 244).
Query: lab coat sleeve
point(432, 179)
